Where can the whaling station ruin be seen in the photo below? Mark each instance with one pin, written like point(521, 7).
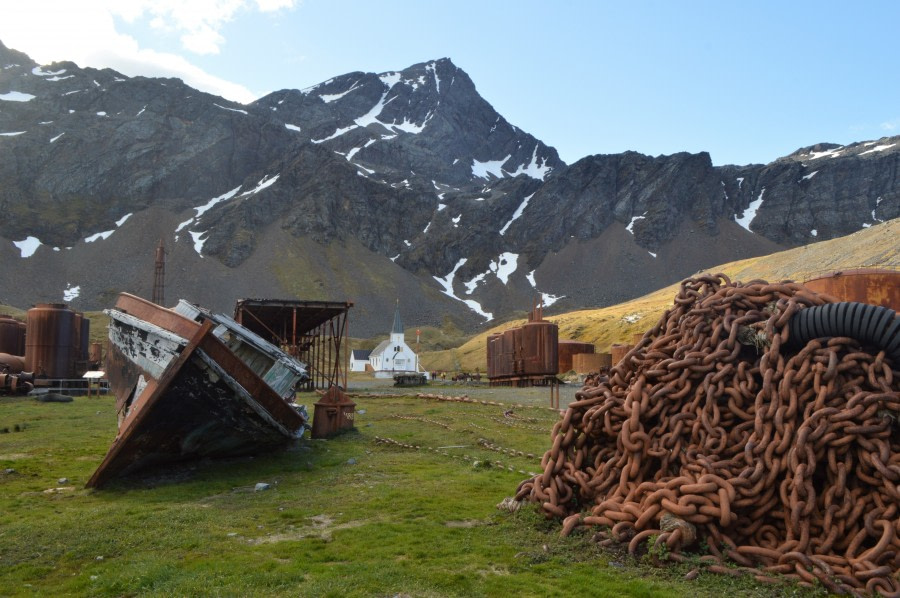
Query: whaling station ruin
point(762, 418)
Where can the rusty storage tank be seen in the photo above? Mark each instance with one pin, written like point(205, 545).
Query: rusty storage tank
point(527, 352)
point(48, 343)
point(493, 351)
point(567, 349)
point(877, 286)
point(618, 351)
point(12, 336)
point(585, 363)
point(537, 349)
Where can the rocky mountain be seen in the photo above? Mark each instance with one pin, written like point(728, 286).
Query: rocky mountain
point(373, 187)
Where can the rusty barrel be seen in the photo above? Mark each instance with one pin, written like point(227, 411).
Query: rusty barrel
point(49, 342)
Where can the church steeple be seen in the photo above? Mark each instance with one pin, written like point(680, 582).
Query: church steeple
point(397, 329)
point(398, 324)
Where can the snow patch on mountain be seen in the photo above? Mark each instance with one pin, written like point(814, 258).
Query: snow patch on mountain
point(107, 233)
point(16, 96)
point(432, 68)
point(70, 293)
point(337, 133)
point(328, 98)
point(37, 71)
point(878, 148)
point(263, 183)
point(750, 213)
point(231, 109)
point(832, 153)
point(198, 241)
point(536, 169)
point(516, 214)
point(546, 298)
point(630, 227)
point(200, 210)
point(505, 265)
point(447, 284)
point(489, 167)
point(28, 246)
point(390, 79)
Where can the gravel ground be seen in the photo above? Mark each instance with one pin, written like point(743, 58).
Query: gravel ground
point(481, 391)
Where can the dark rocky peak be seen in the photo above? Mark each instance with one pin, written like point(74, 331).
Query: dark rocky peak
point(820, 153)
point(426, 118)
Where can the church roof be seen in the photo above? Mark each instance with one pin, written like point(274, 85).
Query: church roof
point(398, 324)
point(361, 354)
point(380, 348)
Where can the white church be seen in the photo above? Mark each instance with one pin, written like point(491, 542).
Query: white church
point(394, 356)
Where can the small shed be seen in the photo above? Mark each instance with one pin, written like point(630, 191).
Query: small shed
point(359, 359)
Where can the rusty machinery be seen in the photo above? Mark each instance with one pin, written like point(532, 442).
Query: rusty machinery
point(759, 419)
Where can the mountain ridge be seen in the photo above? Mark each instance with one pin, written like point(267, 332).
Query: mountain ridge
point(413, 168)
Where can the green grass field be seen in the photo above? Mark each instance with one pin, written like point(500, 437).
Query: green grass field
point(348, 516)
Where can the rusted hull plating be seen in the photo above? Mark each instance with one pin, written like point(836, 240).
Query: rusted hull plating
point(183, 393)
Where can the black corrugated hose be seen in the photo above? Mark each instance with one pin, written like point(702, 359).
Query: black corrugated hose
point(868, 324)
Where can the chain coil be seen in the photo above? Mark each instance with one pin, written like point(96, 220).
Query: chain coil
point(710, 429)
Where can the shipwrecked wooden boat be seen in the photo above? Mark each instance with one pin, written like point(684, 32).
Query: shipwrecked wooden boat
point(193, 384)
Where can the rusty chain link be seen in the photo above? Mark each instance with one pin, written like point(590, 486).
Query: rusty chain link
point(708, 430)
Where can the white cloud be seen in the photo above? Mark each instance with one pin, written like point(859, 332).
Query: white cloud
point(85, 33)
point(891, 125)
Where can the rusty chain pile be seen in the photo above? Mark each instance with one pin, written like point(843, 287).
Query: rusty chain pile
point(710, 431)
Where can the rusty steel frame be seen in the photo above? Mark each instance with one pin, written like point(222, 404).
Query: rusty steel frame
point(313, 332)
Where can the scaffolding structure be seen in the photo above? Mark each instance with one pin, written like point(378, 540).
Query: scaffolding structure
point(314, 332)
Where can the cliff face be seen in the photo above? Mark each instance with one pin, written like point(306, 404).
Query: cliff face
point(400, 183)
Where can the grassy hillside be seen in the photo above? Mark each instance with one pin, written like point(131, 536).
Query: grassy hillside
point(875, 246)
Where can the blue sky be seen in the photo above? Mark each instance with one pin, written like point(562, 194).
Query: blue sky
point(747, 82)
